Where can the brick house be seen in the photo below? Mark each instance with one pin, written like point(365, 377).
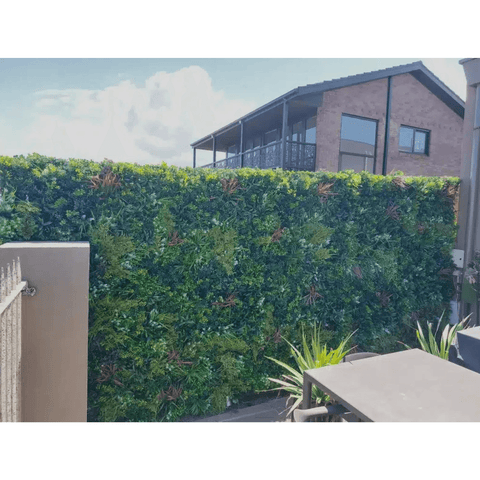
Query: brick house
point(401, 118)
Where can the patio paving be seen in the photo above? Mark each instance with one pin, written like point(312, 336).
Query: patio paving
point(267, 411)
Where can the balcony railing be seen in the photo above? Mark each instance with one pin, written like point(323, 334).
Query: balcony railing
point(300, 156)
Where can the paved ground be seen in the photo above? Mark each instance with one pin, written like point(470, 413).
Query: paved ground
point(262, 410)
point(267, 411)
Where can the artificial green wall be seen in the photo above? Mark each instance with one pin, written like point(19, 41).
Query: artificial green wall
point(196, 275)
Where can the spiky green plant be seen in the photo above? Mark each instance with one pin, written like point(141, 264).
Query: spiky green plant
point(317, 357)
point(447, 338)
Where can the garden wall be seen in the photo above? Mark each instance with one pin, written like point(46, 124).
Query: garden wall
point(197, 275)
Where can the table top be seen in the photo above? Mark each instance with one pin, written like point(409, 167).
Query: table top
point(409, 386)
point(470, 332)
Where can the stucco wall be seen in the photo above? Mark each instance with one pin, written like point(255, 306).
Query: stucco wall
point(413, 105)
point(54, 329)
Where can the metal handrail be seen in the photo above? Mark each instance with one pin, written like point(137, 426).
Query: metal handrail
point(254, 151)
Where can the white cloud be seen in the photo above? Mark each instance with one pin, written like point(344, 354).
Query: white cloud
point(129, 123)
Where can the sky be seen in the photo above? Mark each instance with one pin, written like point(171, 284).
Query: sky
point(150, 110)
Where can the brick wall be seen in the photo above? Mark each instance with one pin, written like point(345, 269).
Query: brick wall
point(413, 105)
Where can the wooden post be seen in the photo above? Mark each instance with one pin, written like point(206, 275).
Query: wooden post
point(194, 157)
point(19, 346)
point(10, 342)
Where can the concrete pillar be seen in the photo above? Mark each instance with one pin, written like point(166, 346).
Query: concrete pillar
point(465, 165)
point(468, 237)
point(54, 329)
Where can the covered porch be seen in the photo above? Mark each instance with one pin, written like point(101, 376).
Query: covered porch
point(300, 156)
point(281, 134)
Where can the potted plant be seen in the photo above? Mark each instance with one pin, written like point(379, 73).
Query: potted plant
point(315, 357)
point(447, 338)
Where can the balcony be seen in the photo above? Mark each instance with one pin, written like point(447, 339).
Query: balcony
point(300, 156)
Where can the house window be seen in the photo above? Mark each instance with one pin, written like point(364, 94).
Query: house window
point(413, 140)
point(357, 143)
point(270, 137)
point(311, 130)
point(297, 130)
point(249, 145)
point(304, 131)
point(257, 141)
point(231, 151)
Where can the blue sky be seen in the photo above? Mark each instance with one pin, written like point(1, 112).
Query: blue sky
point(150, 110)
point(81, 107)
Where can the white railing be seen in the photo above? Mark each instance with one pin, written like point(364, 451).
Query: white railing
point(11, 287)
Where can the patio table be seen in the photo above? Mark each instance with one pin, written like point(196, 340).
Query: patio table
point(409, 386)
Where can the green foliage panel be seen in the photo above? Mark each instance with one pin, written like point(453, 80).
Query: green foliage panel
point(197, 275)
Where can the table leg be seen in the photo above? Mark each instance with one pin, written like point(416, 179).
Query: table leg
point(307, 393)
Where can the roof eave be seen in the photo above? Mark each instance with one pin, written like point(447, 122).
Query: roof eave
point(438, 88)
point(254, 113)
point(416, 69)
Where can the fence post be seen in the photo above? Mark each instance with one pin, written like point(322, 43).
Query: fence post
point(11, 289)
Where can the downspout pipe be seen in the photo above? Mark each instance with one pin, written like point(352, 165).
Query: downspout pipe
point(214, 151)
point(283, 160)
point(242, 141)
point(387, 126)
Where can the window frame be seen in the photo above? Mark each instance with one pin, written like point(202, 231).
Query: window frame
point(426, 153)
point(300, 132)
point(305, 129)
point(228, 154)
point(341, 152)
point(264, 137)
point(249, 141)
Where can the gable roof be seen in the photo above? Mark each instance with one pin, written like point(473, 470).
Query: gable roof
point(311, 94)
